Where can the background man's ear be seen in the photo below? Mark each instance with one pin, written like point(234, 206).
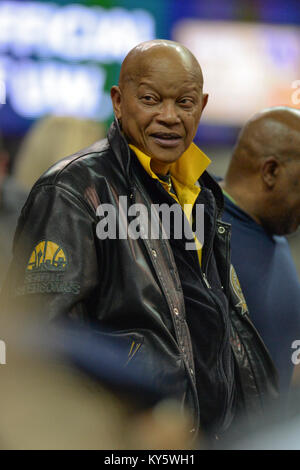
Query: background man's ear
point(115, 94)
point(270, 171)
point(205, 100)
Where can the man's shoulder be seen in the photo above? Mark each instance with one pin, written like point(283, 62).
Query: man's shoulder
point(85, 168)
point(81, 175)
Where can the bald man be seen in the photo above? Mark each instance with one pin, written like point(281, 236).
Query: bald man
point(262, 203)
point(100, 240)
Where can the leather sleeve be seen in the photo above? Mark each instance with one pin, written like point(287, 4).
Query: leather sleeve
point(256, 372)
point(55, 260)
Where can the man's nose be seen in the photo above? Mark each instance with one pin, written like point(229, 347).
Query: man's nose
point(168, 113)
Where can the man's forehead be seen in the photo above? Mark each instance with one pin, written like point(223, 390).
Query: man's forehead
point(274, 130)
point(149, 81)
point(162, 48)
point(159, 76)
point(280, 116)
point(159, 59)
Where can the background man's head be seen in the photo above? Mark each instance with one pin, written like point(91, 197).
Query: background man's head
point(264, 173)
point(159, 100)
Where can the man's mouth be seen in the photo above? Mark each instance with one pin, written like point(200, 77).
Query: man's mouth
point(166, 139)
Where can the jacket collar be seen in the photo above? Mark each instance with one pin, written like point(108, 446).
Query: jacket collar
point(122, 152)
point(119, 146)
point(187, 169)
point(210, 183)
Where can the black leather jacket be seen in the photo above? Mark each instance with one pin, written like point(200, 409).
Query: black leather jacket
point(132, 287)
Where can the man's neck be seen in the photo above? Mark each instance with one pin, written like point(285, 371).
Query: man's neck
point(160, 168)
point(241, 199)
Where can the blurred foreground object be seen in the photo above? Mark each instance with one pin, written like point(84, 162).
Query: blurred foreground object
point(278, 430)
point(49, 139)
point(63, 388)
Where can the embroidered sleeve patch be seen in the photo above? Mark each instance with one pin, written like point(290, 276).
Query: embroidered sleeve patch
point(47, 256)
point(45, 271)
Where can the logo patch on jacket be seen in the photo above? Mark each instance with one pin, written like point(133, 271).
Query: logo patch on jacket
point(47, 256)
point(45, 271)
point(237, 290)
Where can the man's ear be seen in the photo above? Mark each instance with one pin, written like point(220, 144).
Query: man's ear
point(205, 100)
point(116, 96)
point(270, 171)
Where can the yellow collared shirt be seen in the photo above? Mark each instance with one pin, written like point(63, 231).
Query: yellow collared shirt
point(185, 173)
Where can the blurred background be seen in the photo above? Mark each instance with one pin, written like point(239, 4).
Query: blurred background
point(59, 59)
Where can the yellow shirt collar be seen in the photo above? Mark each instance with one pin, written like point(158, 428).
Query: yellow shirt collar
point(185, 172)
point(187, 169)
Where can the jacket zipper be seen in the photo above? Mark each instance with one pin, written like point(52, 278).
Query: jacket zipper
point(169, 252)
point(204, 270)
point(206, 280)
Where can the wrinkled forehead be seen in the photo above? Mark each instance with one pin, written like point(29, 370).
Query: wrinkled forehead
point(159, 64)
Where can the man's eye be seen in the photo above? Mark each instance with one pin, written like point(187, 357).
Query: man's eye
point(186, 102)
point(148, 99)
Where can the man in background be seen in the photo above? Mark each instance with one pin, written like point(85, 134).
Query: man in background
point(262, 203)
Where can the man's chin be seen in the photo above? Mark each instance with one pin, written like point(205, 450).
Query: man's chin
point(285, 230)
point(292, 229)
point(167, 156)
